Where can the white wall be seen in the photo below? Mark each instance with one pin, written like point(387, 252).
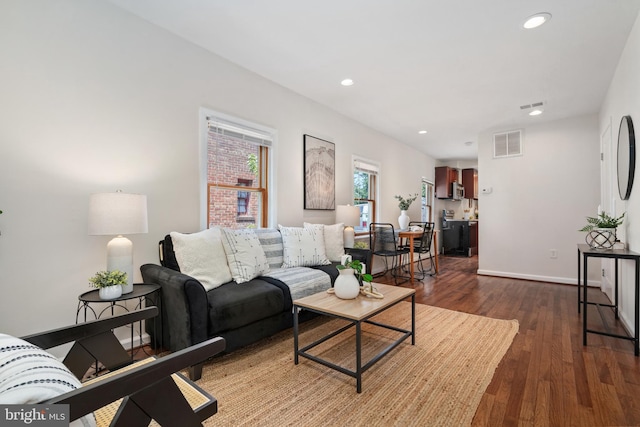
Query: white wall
point(539, 200)
point(623, 98)
point(95, 99)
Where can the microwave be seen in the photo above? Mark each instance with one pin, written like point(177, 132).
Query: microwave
point(457, 191)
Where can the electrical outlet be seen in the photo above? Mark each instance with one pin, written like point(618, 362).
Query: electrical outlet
point(553, 253)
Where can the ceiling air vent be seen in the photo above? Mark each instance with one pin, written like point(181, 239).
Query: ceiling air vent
point(507, 144)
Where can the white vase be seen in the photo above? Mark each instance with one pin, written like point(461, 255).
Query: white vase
point(346, 285)
point(403, 220)
point(110, 292)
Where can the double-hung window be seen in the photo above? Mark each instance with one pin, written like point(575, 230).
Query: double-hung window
point(237, 172)
point(427, 200)
point(366, 175)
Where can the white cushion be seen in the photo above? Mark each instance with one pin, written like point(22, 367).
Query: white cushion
point(245, 255)
point(333, 240)
point(202, 256)
point(303, 247)
point(30, 375)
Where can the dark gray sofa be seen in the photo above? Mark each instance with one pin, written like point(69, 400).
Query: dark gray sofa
point(241, 314)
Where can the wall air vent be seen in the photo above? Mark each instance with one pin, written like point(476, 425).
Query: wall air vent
point(528, 107)
point(507, 144)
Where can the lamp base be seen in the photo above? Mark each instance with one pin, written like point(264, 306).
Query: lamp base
point(349, 235)
point(120, 257)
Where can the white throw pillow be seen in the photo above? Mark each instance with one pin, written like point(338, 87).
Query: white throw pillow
point(30, 375)
point(202, 256)
point(303, 247)
point(333, 240)
point(245, 255)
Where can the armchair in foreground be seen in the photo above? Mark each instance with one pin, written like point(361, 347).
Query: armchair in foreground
point(133, 394)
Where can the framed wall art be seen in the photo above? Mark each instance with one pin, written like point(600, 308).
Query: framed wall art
point(319, 174)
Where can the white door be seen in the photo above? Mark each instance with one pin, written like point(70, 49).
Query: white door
point(607, 167)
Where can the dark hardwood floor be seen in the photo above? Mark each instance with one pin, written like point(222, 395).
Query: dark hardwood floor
point(547, 377)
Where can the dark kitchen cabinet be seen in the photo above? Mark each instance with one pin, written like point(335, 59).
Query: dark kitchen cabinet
point(445, 177)
point(470, 183)
point(473, 238)
point(460, 237)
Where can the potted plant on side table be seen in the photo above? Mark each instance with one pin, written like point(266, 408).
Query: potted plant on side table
point(109, 283)
point(601, 230)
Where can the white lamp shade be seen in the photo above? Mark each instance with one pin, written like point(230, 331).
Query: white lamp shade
point(117, 213)
point(348, 215)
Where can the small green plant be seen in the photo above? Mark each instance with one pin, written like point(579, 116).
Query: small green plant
point(357, 267)
point(403, 203)
point(602, 221)
point(360, 245)
point(102, 279)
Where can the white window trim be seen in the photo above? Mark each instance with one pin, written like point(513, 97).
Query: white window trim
point(355, 159)
point(426, 180)
point(272, 189)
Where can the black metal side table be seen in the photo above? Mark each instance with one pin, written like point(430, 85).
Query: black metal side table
point(141, 291)
point(616, 254)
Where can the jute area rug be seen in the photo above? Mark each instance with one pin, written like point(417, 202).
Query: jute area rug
point(437, 382)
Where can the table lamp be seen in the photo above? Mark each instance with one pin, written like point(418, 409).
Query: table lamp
point(349, 216)
point(117, 214)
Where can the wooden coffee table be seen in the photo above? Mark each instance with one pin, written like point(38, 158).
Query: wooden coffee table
point(355, 311)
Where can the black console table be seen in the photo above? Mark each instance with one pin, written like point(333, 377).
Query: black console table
point(616, 254)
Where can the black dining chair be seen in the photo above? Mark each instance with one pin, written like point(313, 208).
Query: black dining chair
point(383, 243)
point(422, 247)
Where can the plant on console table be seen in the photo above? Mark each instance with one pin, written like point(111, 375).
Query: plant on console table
point(109, 283)
point(403, 204)
point(601, 230)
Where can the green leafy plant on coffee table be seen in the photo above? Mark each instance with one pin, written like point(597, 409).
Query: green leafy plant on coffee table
point(102, 279)
point(357, 267)
point(602, 221)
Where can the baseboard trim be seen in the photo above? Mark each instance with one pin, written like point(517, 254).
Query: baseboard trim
point(535, 278)
point(137, 342)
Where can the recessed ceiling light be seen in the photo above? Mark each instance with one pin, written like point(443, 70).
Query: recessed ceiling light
point(346, 82)
point(535, 112)
point(422, 132)
point(468, 143)
point(536, 20)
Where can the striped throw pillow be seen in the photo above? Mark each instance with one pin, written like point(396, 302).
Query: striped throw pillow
point(30, 375)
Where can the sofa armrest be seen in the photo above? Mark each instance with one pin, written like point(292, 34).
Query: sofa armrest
point(183, 304)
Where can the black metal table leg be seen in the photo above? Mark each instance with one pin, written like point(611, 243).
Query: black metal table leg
point(359, 357)
point(584, 301)
point(636, 342)
point(579, 282)
point(295, 334)
point(413, 319)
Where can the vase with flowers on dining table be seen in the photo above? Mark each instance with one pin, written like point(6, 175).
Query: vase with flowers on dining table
point(403, 204)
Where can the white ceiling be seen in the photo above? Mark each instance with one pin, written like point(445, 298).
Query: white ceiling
point(452, 67)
